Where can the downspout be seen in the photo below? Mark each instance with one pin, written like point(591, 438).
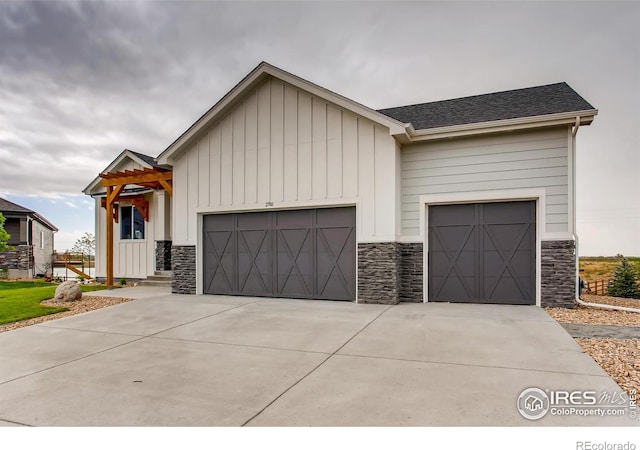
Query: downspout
point(579, 301)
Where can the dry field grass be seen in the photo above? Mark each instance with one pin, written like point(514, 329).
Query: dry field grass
point(602, 268)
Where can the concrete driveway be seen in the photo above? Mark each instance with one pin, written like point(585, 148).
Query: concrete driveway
point(167, 360)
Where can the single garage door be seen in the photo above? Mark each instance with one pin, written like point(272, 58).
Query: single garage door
point(307, 253)
point(482, 253)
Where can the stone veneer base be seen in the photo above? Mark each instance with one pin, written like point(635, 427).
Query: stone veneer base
point(378, 272)
point(411, 272)
point(163, 255)
point(558, 275)
point(183, 268)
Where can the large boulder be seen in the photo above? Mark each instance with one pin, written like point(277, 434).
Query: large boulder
point(69, 291)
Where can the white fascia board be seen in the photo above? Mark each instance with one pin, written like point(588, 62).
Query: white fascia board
point(520, 123)
point(115, 163)
point(259, 73)
point(396, 127)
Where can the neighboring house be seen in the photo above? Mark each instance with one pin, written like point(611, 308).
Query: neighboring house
point(31, 238)
point(286, 189)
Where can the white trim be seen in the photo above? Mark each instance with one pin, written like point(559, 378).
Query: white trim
point(115, 163)
point(558, 236)
point(261, 207)
point(537, 194)
point(520, 123)
point(261, 72)
point(571, 184)
point(199, 257)
point(377, 239)
point(283, 206)
point(408, 239)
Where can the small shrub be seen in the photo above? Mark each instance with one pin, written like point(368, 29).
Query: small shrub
point(123, 281)
point(625, 282)
point(4, 273)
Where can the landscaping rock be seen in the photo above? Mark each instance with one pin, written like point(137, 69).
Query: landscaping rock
point(69, 291)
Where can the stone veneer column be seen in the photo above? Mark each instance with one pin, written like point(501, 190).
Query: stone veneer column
point(378, 273)
point(558, 277)
point(411, 272)
point(163, 255)
point(183, 268)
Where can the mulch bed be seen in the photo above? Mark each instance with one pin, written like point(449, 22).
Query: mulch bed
point(85, 304)
point(620, 358)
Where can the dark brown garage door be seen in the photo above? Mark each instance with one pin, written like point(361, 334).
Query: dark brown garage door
point(307, 253)
point(482, 253)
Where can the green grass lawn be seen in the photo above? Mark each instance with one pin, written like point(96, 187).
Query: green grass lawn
point(20, 300)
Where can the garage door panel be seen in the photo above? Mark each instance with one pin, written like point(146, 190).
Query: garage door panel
point(491, 256)
point(294, 219)
point(220, 253)
point(335, 217)
point(294, 261)
point(307, 253)
point(453, 238)
point(336, 259)
point(506, 212)
point(453, 215)
point(254, 261)
point(455, 289)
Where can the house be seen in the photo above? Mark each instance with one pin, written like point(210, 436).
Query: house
point(286, 189)
point(31, 239)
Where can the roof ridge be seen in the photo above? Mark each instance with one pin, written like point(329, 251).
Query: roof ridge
point(478, 95)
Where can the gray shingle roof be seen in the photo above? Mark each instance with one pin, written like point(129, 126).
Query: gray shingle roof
point(7, 206)
point(146, 158)
point(528, 102)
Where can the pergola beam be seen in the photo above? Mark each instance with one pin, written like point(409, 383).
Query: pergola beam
point(135, 177)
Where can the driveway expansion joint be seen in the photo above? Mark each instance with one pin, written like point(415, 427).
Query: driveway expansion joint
point(199, 318)
point(240, 345)
point(91, 331)
point(470, 365)
point(72, 360)
point(316, 367)
point(14, 422)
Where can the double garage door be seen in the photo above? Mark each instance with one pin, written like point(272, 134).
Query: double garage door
point(307, 253)
point(478, 253)
point(482, 253)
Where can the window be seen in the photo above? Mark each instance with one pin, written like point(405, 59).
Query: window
point(131, 223)
point(42, 239)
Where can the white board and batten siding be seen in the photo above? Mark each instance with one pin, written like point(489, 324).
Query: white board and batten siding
point(133, 258)
point(279, 144)
point(536, 159)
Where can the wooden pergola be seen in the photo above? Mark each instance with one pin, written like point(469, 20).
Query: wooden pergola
point(115, 182)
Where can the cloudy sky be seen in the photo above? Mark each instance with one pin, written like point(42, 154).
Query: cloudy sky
point(81, 81)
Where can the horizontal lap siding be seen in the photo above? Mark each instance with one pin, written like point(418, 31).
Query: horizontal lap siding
point(511, 161)
point(280, 144)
